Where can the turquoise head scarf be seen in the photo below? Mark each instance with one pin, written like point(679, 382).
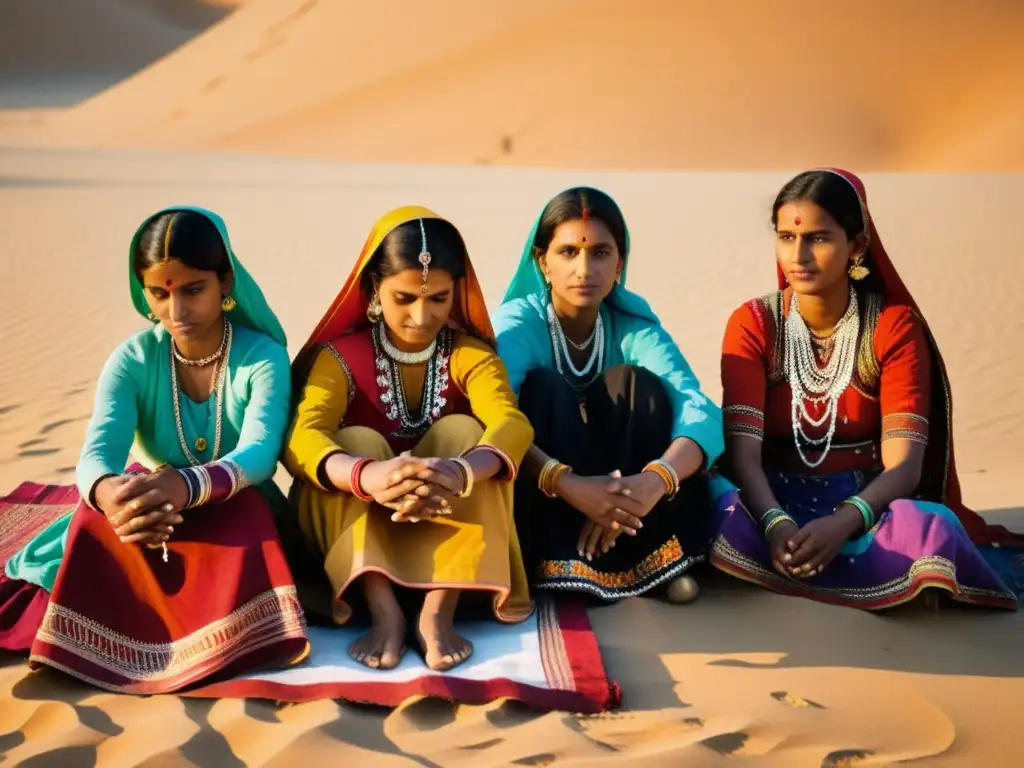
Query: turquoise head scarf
point(529, 280)
point(251, 310)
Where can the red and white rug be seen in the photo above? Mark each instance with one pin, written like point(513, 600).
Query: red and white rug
point(550, 661)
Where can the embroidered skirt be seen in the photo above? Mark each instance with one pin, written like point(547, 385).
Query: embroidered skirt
point(621, 421)
point(913, 546)
point(224, 603)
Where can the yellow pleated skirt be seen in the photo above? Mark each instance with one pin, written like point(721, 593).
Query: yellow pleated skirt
point(475, 548)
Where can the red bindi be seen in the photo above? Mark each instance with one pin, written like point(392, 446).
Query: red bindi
point(797, 221)
point(170, 283)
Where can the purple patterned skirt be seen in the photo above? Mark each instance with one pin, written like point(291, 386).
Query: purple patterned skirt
point(913, 546)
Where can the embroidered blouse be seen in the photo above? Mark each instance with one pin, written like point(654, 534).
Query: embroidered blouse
point(889, 396)
point(352, 383)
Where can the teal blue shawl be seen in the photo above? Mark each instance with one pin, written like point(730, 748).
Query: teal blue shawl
point(634, 336)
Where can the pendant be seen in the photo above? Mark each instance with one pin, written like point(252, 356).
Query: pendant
point(200, 444)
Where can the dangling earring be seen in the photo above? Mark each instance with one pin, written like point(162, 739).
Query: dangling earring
point(151, 316)
point(374, 310)
point(857, 269)
point(228, 304)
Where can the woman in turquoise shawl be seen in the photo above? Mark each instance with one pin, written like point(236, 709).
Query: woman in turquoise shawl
point(171, 571)
point(624, 435)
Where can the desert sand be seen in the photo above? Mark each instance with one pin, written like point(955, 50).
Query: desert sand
point(253, 108)
point(739, 673)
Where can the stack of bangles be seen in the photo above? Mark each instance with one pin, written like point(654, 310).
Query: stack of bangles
point(550, 474)
point(199, 484)
point(865, 510)
point(668, 475)
point(774, 517)
point(355, 478)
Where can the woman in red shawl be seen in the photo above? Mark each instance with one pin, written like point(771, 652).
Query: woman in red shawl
point(838, 420)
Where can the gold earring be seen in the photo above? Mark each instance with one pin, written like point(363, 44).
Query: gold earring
point(857, 269)
point(151, 316)
point(228, 304)
point(374, 310)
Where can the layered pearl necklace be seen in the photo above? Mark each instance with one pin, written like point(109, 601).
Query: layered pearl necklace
point(219, 377)
point(816, 385)
point(563, 359)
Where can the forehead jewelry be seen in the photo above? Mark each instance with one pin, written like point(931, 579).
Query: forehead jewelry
point(797, 220)
point(425, 256)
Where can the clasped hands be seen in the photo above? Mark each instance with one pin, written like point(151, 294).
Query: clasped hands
point(613, 505)
point(414, 488)
point(805, 552)
point(143, 509)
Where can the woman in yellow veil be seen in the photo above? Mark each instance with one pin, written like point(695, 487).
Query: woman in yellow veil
point(406, 443)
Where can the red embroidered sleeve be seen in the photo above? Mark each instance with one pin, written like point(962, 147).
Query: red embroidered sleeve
point(744, 372)
point(902, 349)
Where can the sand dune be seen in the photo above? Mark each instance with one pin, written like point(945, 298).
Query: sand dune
point(916, 85)
point(55, 53)
point(741, 676)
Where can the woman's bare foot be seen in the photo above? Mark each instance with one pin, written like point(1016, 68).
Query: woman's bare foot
point(443, 647)
point(383, 646)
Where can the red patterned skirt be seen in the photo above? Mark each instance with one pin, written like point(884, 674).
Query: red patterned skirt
point(23, 515)
point(121, 618)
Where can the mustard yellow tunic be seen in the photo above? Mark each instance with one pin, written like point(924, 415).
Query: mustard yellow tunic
point(476, 548)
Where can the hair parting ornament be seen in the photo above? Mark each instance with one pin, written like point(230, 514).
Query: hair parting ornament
point(585, 212)
point(167, 238)
point(425, 257)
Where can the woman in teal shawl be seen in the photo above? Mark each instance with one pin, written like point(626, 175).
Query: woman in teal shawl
point(171, 571)
point(624, 435)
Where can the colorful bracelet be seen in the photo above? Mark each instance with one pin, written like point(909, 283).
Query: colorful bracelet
point(550, 473)
point(197, 479)
point(668, 475)
point(556, 475)
point(467, 471)
point(355, 477)
point(866, 512)
point(778, 521)
point(545, 471)
point(774, 517)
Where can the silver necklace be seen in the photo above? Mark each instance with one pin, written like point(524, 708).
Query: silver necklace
point(392, 390)
point(586, 343)
point(405, 358)
point(202, 362)
point(218, 393)
point(816, 385)
point(560, 344)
